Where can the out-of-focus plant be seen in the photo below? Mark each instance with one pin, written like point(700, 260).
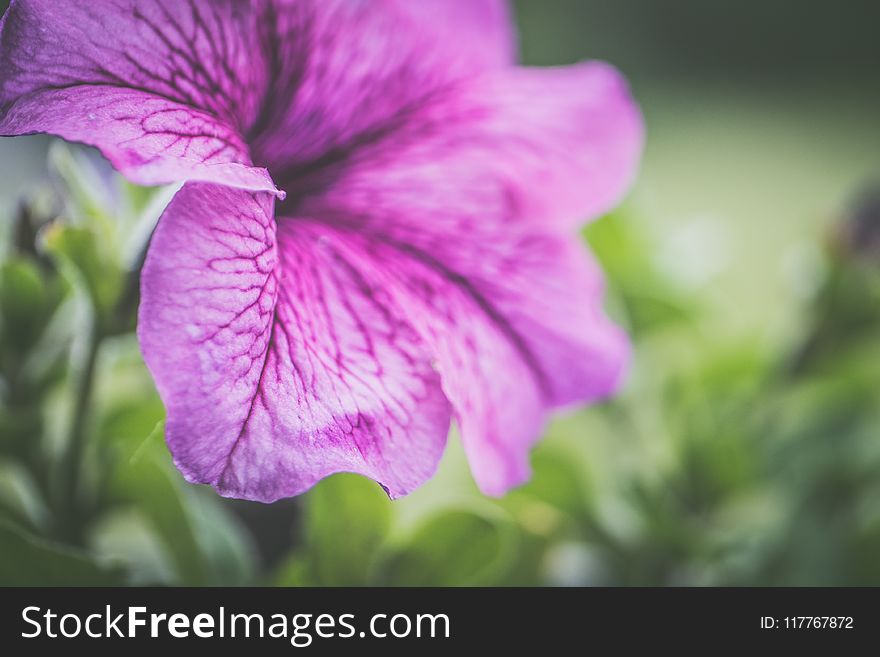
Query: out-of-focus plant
point(88, 494)
point(724, 462)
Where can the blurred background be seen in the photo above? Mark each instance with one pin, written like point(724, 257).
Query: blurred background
point(744, 450)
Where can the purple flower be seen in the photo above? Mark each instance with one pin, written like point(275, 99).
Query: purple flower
point(424, 264)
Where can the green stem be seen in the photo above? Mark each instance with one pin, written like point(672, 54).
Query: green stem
point(69, 486)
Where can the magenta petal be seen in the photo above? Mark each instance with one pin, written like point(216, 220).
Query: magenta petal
point(425, 268)
point(161, 87)
point(282, 359)
point(484, 29)
point(278, 357)
point(514, 321)
point(149, 140)
point(348, 71)
point(464, 204)
point(468, 204)
point(548, 147)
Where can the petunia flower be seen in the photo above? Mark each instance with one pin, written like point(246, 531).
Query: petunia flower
point(424, 265)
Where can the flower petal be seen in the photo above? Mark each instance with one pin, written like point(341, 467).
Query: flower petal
point(161, 87)
point(470, 201)
point(514, 321)
point(345, 71)
point(482, 28)
point(278, 357)
point(548, 147)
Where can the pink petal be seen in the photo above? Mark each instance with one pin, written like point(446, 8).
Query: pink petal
point(547, 147)
point(514, 321)
point(482, 28)
point(279, 357)
point(282, 359)
point(161, 87)
point(346, 71)
point(467, 205)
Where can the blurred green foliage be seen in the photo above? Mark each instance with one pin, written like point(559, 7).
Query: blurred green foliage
point(745, 448)
point(726, 460)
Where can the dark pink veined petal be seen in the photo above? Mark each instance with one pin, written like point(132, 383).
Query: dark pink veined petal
point(546, 147)
point(278, 356)
point(283, 358)
point(477, 191)
point(346, 70)
point(163, 88)
point(515, 323)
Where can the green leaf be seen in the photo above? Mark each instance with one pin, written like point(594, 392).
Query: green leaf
point(205, 545)
point(649, 299)
point(20, 497)
point(87, 191)
point(23, 298)
point(80, 252)
point(460, 547)
point(150, 483)
point(32, 561)
point(296, 571)
point(226, 546)
point(347, 519)
point(129, 537)
point(559, 480)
